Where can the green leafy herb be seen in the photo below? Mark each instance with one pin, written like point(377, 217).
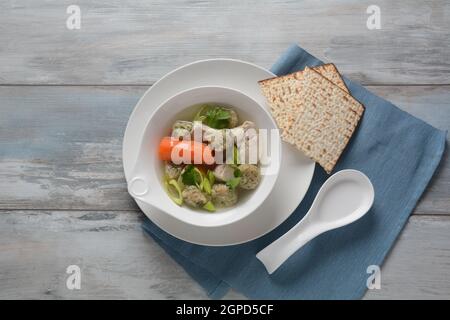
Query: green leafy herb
point(191, 176)
point(217, 118)
point(213, 116)
point(233, 182)
point(237, 173)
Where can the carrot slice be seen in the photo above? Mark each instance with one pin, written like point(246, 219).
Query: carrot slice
point(165, 147)
point(187, 152)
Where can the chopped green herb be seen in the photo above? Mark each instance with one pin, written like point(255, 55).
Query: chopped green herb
point(191, 176)
point(180, 182)
point(174, 191)
point(237, 173)
point(235, 155)
point(233, 182)
point(209, 206)
point(211, 177)
point(207, 186)
point(198, 178)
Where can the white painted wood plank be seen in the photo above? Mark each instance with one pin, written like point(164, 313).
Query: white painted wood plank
point(60, 147)
point(136, 42)
point(418, 266)
point(118, 261)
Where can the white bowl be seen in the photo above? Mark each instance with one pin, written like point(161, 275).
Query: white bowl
point(145, 182)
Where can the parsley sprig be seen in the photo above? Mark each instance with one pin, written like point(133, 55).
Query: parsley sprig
point(214, 117)
point(191, 176)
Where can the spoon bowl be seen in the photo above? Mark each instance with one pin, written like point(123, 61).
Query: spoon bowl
point(344, 198)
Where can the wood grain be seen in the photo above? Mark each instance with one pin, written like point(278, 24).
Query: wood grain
point(136, 42)
point(417, 268)
point(118, 261)
point(60, 147)
point(63, 198)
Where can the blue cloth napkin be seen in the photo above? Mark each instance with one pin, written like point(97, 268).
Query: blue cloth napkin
point(399, 154)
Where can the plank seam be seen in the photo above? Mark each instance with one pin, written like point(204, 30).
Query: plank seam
point(151, 84)
point(421, 214)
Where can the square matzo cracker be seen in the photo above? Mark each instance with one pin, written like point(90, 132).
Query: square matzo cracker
point(284, 94)
point(326, 120)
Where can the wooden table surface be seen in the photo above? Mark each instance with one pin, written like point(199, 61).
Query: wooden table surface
point(66, 95)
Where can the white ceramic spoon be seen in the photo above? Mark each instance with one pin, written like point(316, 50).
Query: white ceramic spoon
point(344, 198)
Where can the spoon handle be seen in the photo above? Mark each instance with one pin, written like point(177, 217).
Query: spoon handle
point(280, 250)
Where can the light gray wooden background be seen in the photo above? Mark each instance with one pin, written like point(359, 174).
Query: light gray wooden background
point(65, 97)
